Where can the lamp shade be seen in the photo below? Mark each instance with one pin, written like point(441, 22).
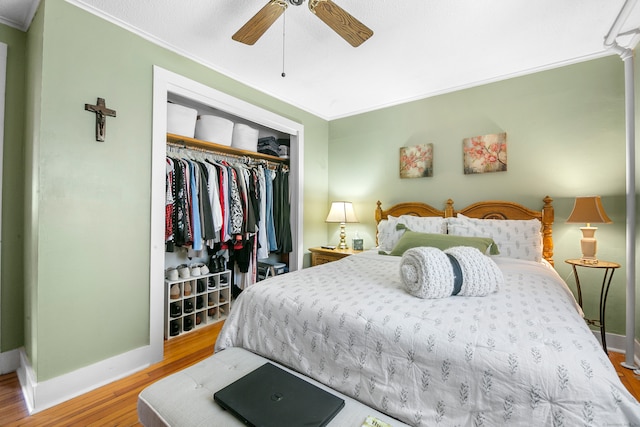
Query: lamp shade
point(587, 210)
point(341, 212)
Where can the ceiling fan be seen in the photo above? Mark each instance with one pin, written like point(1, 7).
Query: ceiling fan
point(347, 27)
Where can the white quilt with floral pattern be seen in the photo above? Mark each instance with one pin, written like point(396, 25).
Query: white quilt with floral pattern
point(522, 356)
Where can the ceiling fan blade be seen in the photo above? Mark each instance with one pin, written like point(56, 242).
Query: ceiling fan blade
point(343, 23)
point(260, 23)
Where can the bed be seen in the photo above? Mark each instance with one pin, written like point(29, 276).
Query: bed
point(520, 356)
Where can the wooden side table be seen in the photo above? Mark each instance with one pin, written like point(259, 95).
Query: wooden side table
point(321, 255)
point(609, 268)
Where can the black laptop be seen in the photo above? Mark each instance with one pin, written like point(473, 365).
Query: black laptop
point(272, 397)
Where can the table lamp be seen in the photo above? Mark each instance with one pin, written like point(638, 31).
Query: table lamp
point(342, 212)
point(588, 210)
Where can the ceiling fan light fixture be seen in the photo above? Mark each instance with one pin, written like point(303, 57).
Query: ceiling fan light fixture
point(342, 22)
point(338, 19)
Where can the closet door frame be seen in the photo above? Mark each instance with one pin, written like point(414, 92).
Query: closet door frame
point(165, 83)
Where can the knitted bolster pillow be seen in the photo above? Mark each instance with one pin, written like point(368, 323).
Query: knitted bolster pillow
point(431, 273)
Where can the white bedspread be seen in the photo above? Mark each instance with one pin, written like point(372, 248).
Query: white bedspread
point(521, 356)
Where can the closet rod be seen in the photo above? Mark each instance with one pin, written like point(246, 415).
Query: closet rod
point(244, 158)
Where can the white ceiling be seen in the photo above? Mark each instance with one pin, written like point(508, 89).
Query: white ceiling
point(420, 48)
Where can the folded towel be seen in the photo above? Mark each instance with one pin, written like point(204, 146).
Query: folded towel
point(431, 273)
point(480, 274)
point(427, 273)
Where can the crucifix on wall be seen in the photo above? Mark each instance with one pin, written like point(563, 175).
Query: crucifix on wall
point(102, 112)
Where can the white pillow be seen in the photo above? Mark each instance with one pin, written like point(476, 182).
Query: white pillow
point(424, 224)
point(519, 239)
point(388, 235)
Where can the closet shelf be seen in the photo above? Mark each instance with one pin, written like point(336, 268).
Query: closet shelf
point(205, 145)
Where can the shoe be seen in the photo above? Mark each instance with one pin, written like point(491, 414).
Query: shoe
point(188, 323)
point(198, 319)
point(201, 285)
point(222, 311)
point(183, 271)
point(219, 264)
point(188, 306)
point(222, 299)
point(187, 289)
point(212, 283)
point(176, 310)
point(199, 302)
point(212, 300)
point(212, 312)
point(174, 292)
point(172, 274)
point(174, 328)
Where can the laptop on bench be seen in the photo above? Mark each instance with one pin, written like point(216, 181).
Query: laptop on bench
point(272, 397)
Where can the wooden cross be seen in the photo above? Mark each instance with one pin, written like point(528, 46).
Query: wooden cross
point(101, 117)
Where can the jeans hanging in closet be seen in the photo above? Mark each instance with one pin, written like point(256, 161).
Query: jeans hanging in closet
point(271, 228)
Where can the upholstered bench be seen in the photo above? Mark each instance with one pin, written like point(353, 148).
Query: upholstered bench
point(186, 397)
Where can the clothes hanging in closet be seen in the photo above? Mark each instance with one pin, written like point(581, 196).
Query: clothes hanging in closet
point(237, 208)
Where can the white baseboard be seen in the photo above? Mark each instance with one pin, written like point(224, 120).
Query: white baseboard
point(618, 344)
point(9, 361)
point(45, 394)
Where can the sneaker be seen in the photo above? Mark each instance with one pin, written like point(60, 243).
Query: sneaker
point(175, 310)
point(188, 306)
point(175, 291)
point(188, 323)
point(174, 328)
point(201, 285)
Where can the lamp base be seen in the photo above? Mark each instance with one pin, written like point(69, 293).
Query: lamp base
point(589, 245)
point(343, 237)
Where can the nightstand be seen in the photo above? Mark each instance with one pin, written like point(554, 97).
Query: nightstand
point(609, 268)
point(322, 256)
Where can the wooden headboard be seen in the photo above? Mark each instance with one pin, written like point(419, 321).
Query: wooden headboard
point(490, 209)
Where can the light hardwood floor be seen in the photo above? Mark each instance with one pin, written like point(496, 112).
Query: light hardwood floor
point(115, 403)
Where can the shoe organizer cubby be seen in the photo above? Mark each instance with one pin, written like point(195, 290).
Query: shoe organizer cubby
point(195, 302)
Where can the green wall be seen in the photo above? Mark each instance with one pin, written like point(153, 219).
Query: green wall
point(566, 137)
point(88, 279)
point(86, 204)
point(11, 279)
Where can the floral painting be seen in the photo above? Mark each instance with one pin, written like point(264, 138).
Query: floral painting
point(487, 153)
point(416, 161)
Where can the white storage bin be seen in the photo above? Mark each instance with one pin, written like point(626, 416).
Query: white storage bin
point(214, 129)
point(181, 120)
point(245, 137)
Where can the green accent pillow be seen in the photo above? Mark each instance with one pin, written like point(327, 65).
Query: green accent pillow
point(412, 239)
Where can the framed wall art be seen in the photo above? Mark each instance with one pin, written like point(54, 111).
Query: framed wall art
point(416, 161)
point(487, 153)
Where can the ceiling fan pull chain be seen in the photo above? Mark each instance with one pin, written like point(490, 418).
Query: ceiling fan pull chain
point(284, 18)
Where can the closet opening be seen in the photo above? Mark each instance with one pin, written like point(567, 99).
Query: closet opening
point(172, 87)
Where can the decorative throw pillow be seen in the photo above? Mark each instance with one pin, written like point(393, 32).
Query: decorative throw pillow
point(519, 239)
point(411, 239)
